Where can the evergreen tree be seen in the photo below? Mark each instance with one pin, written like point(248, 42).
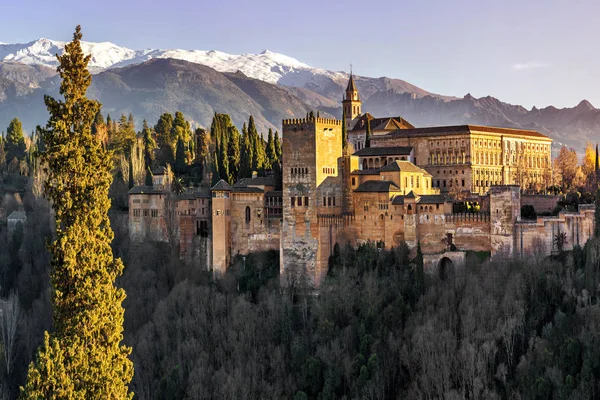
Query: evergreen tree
point(245, 170)
point(368, 134)
point(233, 154)
point(149, 145)
point(180, 162)
point(202, 146)
point(163, 138)
point(277, 143)
point(180, 129)
point(148, 178)
point(271, 154)
point(597, 166)
point(82, 358)
point(15, 141)
point(124, 138)
point(258, 148)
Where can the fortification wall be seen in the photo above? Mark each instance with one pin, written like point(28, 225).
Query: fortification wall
point(541, 203)
point(469, 232)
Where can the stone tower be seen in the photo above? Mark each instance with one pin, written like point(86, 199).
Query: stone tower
point(312, 149)
point(351, 103)
point(505, 211)
point(221, 225)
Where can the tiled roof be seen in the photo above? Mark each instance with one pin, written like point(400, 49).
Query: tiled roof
point(424, 199)
point(404, 166)
point(222, 185)
point(365, 172)
point(274, 193)
point(144, 189)
point(247, 189)
point(377, 186)
point(381, 124)
point(258, 181)
point(384, 151)
point(463, 128)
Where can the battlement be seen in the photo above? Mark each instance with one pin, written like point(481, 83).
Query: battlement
point(311, 120)
point(468, 217)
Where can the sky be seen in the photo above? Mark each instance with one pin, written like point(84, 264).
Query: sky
point(528, 52)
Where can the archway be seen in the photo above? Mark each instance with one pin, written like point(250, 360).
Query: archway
point(446, 269)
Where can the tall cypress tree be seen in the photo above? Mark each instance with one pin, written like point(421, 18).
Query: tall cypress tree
point(233, 154)
point(164, 141)
point(277, 144)
point(368, 134)
point(180, 162)
point(246, 154)
point(258, 148)
point(82, 358)
point(271, 154)
point(149, 145)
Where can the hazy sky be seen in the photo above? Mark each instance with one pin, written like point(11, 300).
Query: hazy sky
point(525, 52)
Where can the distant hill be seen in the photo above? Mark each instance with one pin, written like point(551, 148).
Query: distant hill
point(268, 85)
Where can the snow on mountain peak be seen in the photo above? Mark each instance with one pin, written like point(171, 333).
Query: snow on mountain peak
point(267, 66)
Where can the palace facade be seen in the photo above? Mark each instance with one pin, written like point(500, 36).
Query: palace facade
point(401, 188)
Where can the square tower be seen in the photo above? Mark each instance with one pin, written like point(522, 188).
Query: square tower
point(312, 149)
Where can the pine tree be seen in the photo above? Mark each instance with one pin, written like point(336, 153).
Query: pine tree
point(82, 358)
point(271, 154)
point(233, 154)
point(149, 145)
point(277, 143)
point(15, 141)
point(368, 134)
point(245, 170)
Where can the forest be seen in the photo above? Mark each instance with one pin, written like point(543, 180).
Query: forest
point(380, 327)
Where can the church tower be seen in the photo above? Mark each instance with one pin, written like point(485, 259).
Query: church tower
point(351, 102)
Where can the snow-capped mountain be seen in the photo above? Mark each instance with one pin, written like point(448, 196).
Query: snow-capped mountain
point(267, 66)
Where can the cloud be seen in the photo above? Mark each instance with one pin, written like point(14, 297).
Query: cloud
point(529, 65)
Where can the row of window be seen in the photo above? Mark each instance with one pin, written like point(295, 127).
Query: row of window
point(328, 201)
point(444, 183)
point(146, 212)
point(299, 171)
point(137, 201)
point(328, 170)
point(297, 201)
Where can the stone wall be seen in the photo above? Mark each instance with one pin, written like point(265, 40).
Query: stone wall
point(541, 203)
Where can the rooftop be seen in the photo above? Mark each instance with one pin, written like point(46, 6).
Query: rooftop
point(378, 187)
point(404, 166)
point(381, 124)
point(463, 129)
point(384, 151)
point(144, 189)
point(222, 185)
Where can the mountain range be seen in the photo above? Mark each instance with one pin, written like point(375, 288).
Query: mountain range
point(268, 85)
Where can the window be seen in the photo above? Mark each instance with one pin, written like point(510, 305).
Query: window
point(334, 201)
point(306, 201)
point(146, 212)
point(329, 202)
point(417, 181)
point(293, 201)
point(353, 181)
point(463, 182)
point(136, 212)
point(299, 201)
point(154, 213)
point(248, 214)
point(366, 206)
point(324, 201)
point(135, 201)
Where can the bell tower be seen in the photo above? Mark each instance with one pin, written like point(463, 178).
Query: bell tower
point(351, 103)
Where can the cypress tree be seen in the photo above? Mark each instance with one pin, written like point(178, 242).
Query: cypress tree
point(271, 153)
point(82, 358)
point(233, 154)
point(258, 148)
point(148, 179)
point(203, 146)
point(180, 129)
point(149, 145)
point(180, 162)
point(277, 144)
point(15, 141)
point(368, 134)
point(2, 152)
point(419, 270)
point(164, 141)
point(596, 167)
point(245, 170)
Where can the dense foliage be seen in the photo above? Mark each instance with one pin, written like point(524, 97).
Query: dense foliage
point(83, 357)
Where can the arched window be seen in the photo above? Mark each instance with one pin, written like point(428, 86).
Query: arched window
point(248, 212)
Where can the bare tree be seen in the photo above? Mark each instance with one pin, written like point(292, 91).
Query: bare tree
point(9, 321)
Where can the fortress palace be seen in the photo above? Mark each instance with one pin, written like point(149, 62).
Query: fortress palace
point(398, 187)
